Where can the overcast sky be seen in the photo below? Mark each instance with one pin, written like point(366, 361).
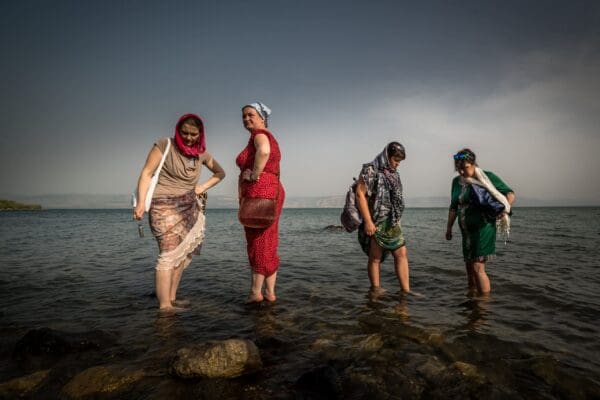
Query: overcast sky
point(88, 86)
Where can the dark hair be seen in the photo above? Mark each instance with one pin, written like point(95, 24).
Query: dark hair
point(464, 156)
point(191, 121)
point(395, 149)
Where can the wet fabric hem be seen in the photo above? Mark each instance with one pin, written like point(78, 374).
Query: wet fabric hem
point(178, 257)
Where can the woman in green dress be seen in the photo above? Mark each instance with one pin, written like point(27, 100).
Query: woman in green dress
point(478, 230)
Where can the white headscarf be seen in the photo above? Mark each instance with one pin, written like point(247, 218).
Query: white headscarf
point(482, 179)
point(261, 108)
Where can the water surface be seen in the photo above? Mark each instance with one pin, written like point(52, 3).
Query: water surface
point(81, 270)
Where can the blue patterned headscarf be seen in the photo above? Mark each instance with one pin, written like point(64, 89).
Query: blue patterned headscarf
point(261, 108)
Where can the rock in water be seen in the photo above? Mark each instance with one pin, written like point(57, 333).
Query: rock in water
point(44, 346)
point(222, 359)
point(100, 379)
point(25, 385)
point(323, 382)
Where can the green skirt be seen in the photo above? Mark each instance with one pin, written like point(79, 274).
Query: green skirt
point(479, 244)
point(389, 238)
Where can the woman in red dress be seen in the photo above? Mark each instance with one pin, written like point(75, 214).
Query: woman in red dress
point(259, 178)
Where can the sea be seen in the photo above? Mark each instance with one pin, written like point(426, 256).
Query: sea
point(89, 273)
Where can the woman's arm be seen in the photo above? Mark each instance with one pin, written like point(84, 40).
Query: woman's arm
point(510, 197)
point(218, 176)
point(363, 207)
point(451, 219)
point(150, 166)
point(263, 150)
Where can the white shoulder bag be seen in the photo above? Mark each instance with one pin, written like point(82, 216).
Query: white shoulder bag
point(153, 181)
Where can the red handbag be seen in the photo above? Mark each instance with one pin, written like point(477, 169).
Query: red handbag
point(257, 212)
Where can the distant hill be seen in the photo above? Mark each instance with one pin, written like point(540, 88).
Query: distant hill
point(122, 201)
point(10, 205)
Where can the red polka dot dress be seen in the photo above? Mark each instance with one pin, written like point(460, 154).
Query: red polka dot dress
point(262, 243)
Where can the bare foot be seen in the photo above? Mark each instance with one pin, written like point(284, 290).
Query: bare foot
point(254, 298)
point(180, 303)
point(270, 296)
point(376, 291)
point(170, 310)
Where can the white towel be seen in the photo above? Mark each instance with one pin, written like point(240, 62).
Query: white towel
point(482, 179)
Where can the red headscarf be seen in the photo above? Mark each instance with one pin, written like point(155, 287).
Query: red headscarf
point(197, 148)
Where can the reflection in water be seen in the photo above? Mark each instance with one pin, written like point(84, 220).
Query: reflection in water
point(265, 321)
point(168, 326)
point(380, 301)
point(476, 311)
point(401, 309)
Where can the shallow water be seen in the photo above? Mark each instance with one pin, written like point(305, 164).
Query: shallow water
point(81, 270)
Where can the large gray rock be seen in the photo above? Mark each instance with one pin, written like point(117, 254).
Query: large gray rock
point(223, 359)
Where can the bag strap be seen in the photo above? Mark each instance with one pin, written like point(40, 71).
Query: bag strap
point(164, 157)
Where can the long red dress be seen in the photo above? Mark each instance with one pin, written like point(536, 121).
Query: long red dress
point(262, 243)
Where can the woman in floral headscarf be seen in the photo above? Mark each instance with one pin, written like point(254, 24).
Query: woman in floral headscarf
point(177, 208)
point(381, 203)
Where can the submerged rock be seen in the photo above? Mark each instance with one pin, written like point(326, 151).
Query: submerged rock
point(23, 386)
point(469, 371)
point(223, 359)
point(334, 228)
point(100, 380)
point(371, 343)
point(550, 371)
point(44, 346)
point(323, 382)
point(433, 370)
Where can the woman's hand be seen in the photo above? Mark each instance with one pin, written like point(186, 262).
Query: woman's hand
point(138, 211)
point(199, 190)
point(370, 228)
point(448, 234)
point(246, 175)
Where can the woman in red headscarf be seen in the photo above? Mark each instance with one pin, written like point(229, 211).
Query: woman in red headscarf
point(176, 213)
point(259, 178)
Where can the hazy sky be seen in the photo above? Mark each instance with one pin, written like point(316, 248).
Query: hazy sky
point(88, 86)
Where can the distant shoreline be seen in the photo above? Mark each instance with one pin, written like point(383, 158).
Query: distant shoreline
point(10, 205)
point(292, 208)
point(123, 201)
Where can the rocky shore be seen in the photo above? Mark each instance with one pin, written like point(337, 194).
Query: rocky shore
point(419, 364)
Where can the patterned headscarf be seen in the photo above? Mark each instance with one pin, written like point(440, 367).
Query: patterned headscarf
point(261, 108)
point(384, 189)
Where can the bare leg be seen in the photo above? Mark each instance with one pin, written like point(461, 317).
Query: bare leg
point(270, 287)
point(176, 278)
point(401, 267)
point(483, 282)
point(255, 295)
point(163, 280)
point(471, 278)
point(375, 254)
